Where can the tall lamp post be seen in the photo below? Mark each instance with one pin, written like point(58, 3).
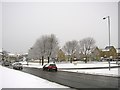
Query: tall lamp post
point(108, 17)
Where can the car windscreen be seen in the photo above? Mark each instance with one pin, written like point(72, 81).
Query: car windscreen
point(52, 65)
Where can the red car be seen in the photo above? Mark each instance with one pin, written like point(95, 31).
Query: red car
point(50, 67)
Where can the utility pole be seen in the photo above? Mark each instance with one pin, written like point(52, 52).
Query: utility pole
point(108, 17)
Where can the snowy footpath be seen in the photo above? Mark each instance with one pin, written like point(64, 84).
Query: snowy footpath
point(10, 78)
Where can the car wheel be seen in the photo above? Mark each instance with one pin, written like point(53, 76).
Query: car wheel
point(49, 70)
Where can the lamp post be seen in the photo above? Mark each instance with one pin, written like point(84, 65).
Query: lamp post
point(108, 17)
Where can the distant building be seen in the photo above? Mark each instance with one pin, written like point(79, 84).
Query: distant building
point(12, 57)
point(75, 56)
point(96, 54)
point(61, 55)
point(118, 53)
point(109, 51)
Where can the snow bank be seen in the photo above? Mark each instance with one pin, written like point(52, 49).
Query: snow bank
point(85, 65)
point(106, 72)
point(73, 65)
point(17, 79)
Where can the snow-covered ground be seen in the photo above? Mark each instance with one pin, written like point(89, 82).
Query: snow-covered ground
point(73, 65)
point(85, 65)
point(106, 72)
point(10, 78)
point(113, 72)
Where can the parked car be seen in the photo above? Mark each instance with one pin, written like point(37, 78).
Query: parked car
point(17, 65)
point(50, 67)
point(5, 63)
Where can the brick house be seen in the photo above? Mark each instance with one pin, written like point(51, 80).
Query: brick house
point(109, 51)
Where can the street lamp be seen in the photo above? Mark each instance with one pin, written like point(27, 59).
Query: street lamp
point(108, 17)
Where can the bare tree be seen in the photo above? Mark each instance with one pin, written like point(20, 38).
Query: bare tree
point(86, 46)
point(42, 44)
point(52, 46)
point(45, 47)
point(70, 47)
point(38, 50)
point(33, 53)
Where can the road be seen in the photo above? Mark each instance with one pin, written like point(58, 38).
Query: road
point(75, 80)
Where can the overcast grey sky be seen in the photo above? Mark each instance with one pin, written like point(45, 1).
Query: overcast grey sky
point(24, 22)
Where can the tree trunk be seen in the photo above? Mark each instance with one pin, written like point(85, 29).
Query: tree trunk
point(86, 56)
point(48, 59)
point(70, 60)
point(42, 60)
point(86, 59)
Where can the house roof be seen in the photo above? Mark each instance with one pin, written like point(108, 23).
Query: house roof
point(109, 47)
